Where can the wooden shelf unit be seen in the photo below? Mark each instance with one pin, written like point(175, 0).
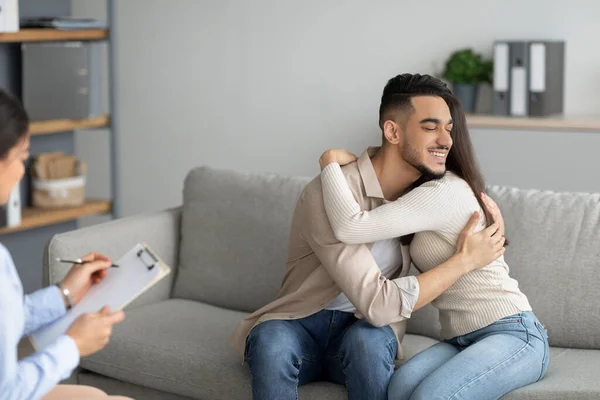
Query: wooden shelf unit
point(562, 123)
point(50, 35)
point(64, 125)
point(39, 217)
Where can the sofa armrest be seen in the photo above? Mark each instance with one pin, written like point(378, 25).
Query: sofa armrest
point(160, 230)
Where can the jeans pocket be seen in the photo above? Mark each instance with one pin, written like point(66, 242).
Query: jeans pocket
point(542, 330)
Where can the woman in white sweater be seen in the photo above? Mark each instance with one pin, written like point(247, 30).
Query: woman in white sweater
point(493, 343)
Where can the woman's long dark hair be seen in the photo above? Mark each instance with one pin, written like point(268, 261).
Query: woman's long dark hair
point(14, 122)
point(461, 159)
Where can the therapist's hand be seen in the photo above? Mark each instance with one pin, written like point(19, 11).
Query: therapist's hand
point(81, 277)
point(91, 332)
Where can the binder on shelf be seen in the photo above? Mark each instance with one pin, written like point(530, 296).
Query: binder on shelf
point(63, 23)
point(501, 81)
point(546, 77)
point(61, 80)
point(139, 269)
point(519, 81)
point(9, 16)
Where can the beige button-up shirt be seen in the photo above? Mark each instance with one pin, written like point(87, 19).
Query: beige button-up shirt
point(319, 267)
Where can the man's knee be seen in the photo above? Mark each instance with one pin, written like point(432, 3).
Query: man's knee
point(364, 339)
point(274, 342)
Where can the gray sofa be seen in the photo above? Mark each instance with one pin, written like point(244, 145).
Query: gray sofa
point(227, 247)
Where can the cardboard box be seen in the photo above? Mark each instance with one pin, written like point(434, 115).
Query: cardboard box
point(58, 180)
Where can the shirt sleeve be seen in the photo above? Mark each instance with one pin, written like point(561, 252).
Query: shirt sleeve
point(34, 376)
point(409, 293)
point(424, 208)
point(42, 308)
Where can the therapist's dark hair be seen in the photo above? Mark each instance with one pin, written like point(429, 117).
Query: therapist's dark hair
point(14, 122)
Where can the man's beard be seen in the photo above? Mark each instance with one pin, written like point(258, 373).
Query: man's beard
point(411, 156)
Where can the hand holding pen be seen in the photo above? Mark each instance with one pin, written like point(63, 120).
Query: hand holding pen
point(88, 271)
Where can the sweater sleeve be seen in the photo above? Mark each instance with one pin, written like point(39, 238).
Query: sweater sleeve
point(424, 208)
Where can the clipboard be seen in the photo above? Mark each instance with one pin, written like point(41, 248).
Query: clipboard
point(139, 269)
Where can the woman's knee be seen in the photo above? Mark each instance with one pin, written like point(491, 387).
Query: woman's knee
point(401, 386)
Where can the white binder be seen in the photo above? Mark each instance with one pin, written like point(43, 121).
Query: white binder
point(537, 67)
point(519, 87)
point(501, 102)
point(9, 15)
point(139, 269)
point(518, 91)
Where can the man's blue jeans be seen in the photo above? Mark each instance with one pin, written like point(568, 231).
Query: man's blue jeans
point(485, 364)
point(327, 346)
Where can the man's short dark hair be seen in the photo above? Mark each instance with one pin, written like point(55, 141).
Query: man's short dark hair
point(400, 89)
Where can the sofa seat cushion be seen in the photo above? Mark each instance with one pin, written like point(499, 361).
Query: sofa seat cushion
point(182, 347)
point(572, 375)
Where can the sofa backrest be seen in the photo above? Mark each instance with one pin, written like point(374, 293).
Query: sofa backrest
point(234, 237)
point(554, 254)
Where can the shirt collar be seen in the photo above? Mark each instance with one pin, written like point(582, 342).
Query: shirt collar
point(368, 175)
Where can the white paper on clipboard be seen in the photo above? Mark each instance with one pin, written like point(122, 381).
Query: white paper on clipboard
point(139, 269)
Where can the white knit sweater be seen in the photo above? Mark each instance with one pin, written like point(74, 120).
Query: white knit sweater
point(436, 212)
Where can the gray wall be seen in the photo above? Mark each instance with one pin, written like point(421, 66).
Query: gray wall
point(267, 85)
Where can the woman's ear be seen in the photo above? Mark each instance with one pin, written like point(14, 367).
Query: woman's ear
point(392, 132)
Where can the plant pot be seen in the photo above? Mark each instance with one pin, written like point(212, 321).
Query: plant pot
point(467, 95)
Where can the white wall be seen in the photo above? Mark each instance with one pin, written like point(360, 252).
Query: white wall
point(267, 85)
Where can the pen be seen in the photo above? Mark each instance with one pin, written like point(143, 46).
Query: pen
point(80, 261)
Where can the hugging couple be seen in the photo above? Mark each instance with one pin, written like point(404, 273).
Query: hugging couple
point(342, 310)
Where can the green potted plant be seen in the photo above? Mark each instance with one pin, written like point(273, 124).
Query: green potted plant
point(465, 69)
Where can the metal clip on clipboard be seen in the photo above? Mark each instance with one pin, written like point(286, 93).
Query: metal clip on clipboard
point(153, 262)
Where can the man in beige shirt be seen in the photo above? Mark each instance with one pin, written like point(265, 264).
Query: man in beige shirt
point(341, 312)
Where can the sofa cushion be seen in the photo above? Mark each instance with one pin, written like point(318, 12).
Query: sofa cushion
point(234, 238)
point(554, 253)
point(117, 387)
point(572, 374)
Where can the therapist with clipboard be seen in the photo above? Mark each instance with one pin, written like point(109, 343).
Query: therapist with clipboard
point(37, 376)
